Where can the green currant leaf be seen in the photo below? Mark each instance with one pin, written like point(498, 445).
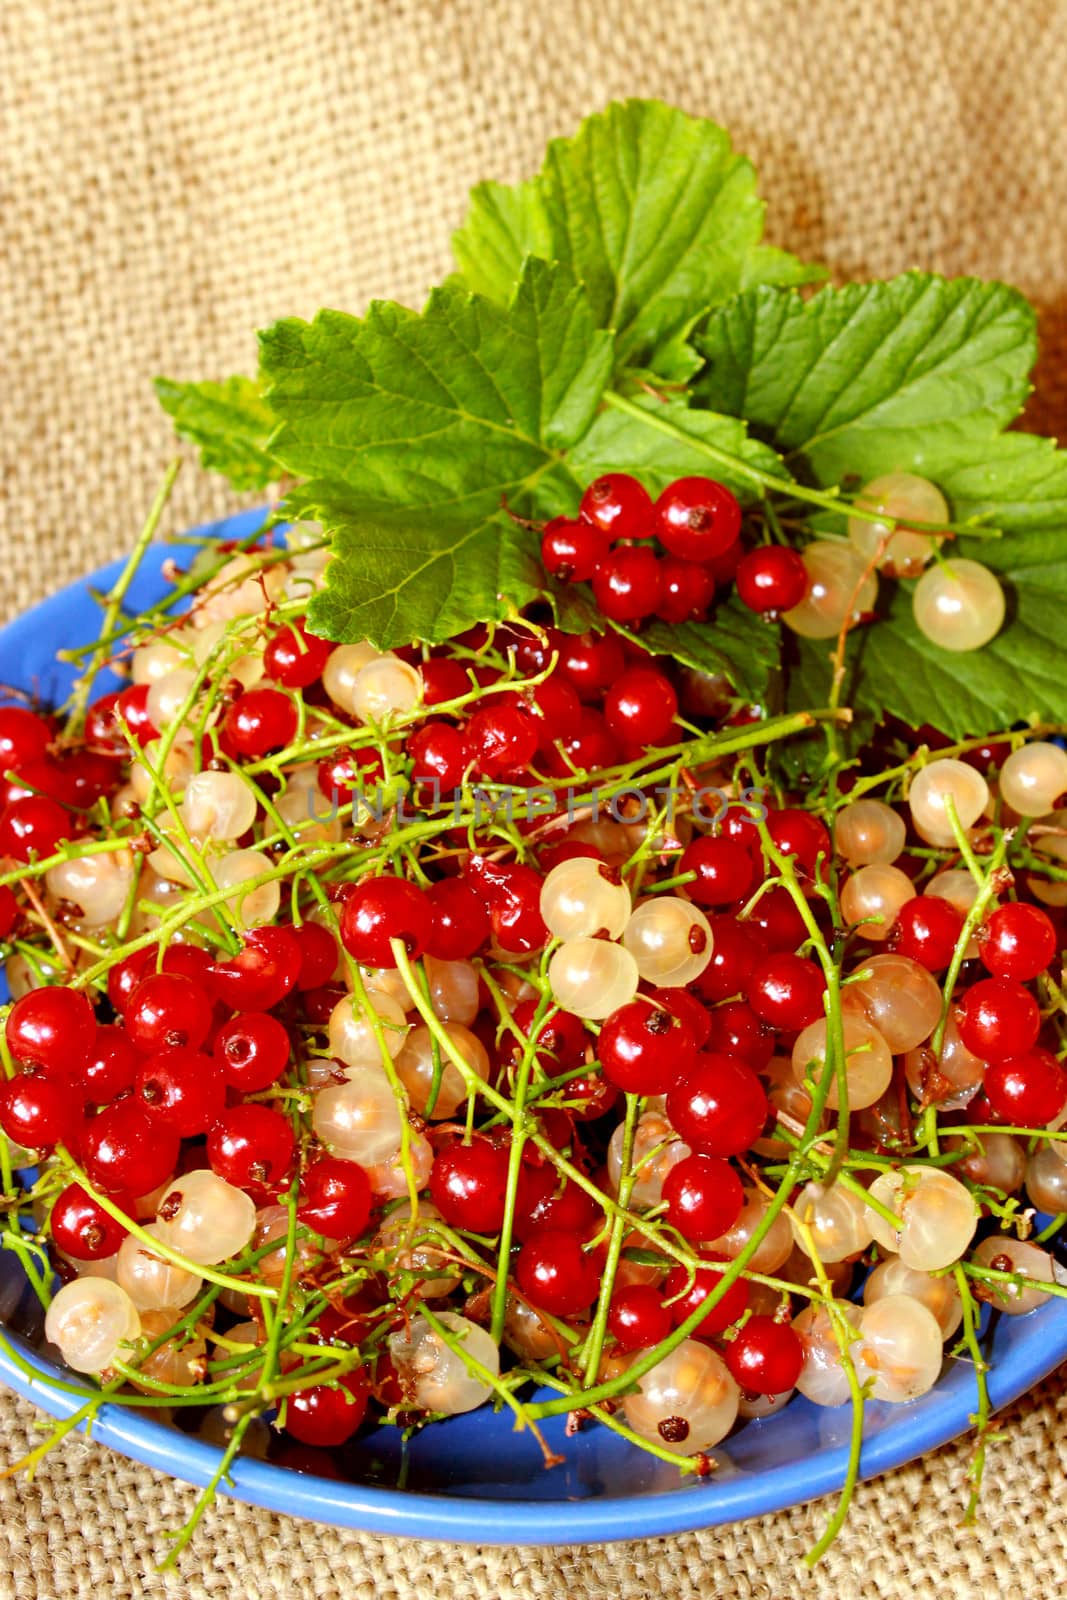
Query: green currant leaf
point(619, 441)
point(230, 421)
point(653, 211)
point(908, 375)
point(734, 642)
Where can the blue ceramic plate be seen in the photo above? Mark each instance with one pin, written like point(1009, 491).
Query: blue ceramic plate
point(473, 1478)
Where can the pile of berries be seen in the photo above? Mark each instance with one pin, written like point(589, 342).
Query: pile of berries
point(298, 999)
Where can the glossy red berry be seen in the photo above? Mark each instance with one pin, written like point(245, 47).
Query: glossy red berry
point(326, 1415)
point(82, 1228)
point(1017, 941)
point(460, 923)
point(726, 1310)
point(9, 910)
point(998, 1018)
point(501, 739)
point(34, 827)
point(131, 709)
point(1028, 1090)
point(554, 705)
point(587, 748)
point(54, 1028)
point(725, 870)
point(703, 1197)
point(349, 772)
point(798, 834)
point(468, 1185)
point(295, 658)
point(697, 518)
point(337, 1198)
point(261, 974)
point(438, 755)
point(638, 1319)
point(555, 1273)
point(251, 1146)
point(443, 679)
point(765, 1357)
point(167, 1010)
point(24, 737)
point(319, 955)
point(734, 954)
point(628, 584)
point(182, 1088)
point(775, 920)
point(619, 506)
point(718, 1106)
point(111, 1065)
point(571, 550)
point(590, 662)
point(927, 930)
point(514, 894)
point(561, 1037)
point(771, 580)
point(643, 1049)
point(39, 1111)
point(260, 721)
point(124, 1149)
point(380, 910)
point(689, 1011)
point(252, 1051)
point(542, 1202)
point(786, 992)
point(688, 590)
point(641, 707)
point(737, 1031)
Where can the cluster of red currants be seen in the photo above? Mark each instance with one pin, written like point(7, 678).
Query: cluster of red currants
point(697, 522)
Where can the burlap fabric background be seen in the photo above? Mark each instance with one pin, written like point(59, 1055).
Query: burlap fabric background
point(174, 177)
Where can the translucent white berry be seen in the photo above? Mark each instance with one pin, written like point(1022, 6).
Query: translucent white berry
point(455, 989)
point(90, 1320)
point(873, 896)
point(934, 786)
point(670, 939)
point(868, 1060)
point(205, 1218)
point(250, 908)
point(822, 1377)
point(217, 805)
point(385, 688)
point(149, 1280)
point(433, 1375)
point(1033, 778)
point(868, 833)
point(938, 1216)
point(351, 1034)
point(900, 997)
point(774, 1248)
point(901, 1348)
point(412, 1245)
point(837, 1220)
point(656, 1150)
point(592, 977)
point(950, 1080)
point(938, 1293)
point(167, 695)
point(837, 589)
point(1013, 1255)
point(958, 605)
point(906, 499)
point(342, 668)
point(359, 1119)
point(687, 1401)
point(581, 898)
point(99, 885)
point(415, 1066)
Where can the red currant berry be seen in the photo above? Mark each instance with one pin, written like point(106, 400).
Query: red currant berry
point(590, 662)
point(689, 1011)
point(556, 1274)
point(725, 871)
point(337, 1198)
point(718, 1106)
point(638, 1319)
point(82, 1228)
point(319, 955)
point(181, 1088)
point(766, 1356)
point(688, 590)
point(9, 911)
point(349, 772)
point(628, 584)
point(734, 954)
point(514, 893)
point(34, 827)
point(571, 551)
point(643, 1049)
point(771, 580)
point(737, 1031)
point(327, 1415)
point(24, 737)
point(697, 518)
point(125, 1150)
point(726, 1310)
point(561, 1037)
point(295, 658)
point(1028, 1090)
point(101, 730)
point(54, 1028)
point(438, 755)
point(261, 975)
point(251, 1146)
point(998, 1018)
point(111, 1065)
point(131, 708)
point(39, 1111)
point(252, 1051)
point(380, 910)
point(554, 705)
point(443, 679)
point(703, 1196)
point(167, 1011)
point(587, 748)
point(798, 834)
point(468, 1185)
point(260, 721)
point(619, 506)
point(776, 921)
point(540, 1204)
point(927, 930)
point(786, 992)
point(460, 920)
point(500, 740)
point(641, 707)
point(1017, 941)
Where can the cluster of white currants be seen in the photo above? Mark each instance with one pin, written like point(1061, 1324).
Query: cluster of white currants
point(609, 945)
point(957, 603)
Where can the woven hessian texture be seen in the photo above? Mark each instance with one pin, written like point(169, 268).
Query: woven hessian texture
point(176, 176)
